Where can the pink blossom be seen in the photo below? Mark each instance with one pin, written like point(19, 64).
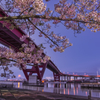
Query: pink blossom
point(23, 38)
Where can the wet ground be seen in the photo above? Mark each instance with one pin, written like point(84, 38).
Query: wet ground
point(22, 94)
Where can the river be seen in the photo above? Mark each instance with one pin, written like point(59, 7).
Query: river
point(69, 88)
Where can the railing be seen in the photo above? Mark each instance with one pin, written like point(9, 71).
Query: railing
point(6, 82)
point(90, 85)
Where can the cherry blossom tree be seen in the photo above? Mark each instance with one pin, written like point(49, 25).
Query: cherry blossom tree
point(32, 15)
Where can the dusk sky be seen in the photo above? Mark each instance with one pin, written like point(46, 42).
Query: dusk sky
point(82, 57)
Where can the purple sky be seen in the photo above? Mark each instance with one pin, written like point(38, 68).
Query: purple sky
point(83, 56)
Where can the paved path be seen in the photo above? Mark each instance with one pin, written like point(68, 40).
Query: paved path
point(21, 94)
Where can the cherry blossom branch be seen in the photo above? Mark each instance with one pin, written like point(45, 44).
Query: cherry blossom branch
point(44, 17)
point(14, 61)
point(42, 32)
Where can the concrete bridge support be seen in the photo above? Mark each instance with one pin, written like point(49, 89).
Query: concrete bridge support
point(61, 78)
point(65, 78)
point(56, 77)
point(75, 78)
point(68, 78)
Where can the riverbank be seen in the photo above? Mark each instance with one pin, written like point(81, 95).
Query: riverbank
point(22, 94)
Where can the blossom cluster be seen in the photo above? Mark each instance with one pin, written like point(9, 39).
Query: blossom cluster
point(65, 10)
point(28, 54)
point(30, 6)
point(62, 41)
point(59, 43)
point(81, 11)
point(23, 38)
point(89, 13)
point(71, 15)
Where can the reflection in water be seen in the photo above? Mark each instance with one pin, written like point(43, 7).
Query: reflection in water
point(57, 86)
point(74, 90)
point(68, 91)
point(64, 91)
point(65, 85)
point(18, 84)
point(75, 85)
point(77, 90)
point(99, 94)
point(86, 93)
point(69, 85)
point(71, 89)
point(42, 90)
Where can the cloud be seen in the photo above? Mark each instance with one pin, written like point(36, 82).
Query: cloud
point(49, 78)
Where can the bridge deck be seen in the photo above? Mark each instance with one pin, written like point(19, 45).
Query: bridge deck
point(10, 37)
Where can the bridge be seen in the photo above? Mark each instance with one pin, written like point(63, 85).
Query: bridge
point(11, 38)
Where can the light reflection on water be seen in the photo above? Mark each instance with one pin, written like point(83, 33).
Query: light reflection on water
point(71, 89)
point(86, 93)
point(68, 91)
point(64, 91)
point(74, 91)
point(18, 84)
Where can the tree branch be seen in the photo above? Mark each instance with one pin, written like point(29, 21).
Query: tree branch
point(14, 61)
point(44, 17)
point(42, 32)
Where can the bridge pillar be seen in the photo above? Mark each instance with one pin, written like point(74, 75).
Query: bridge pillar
point(35, 69)
point(61, 78)
point(75, 77)
point(65, 78)
point(56, 77)
point(68, 78)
